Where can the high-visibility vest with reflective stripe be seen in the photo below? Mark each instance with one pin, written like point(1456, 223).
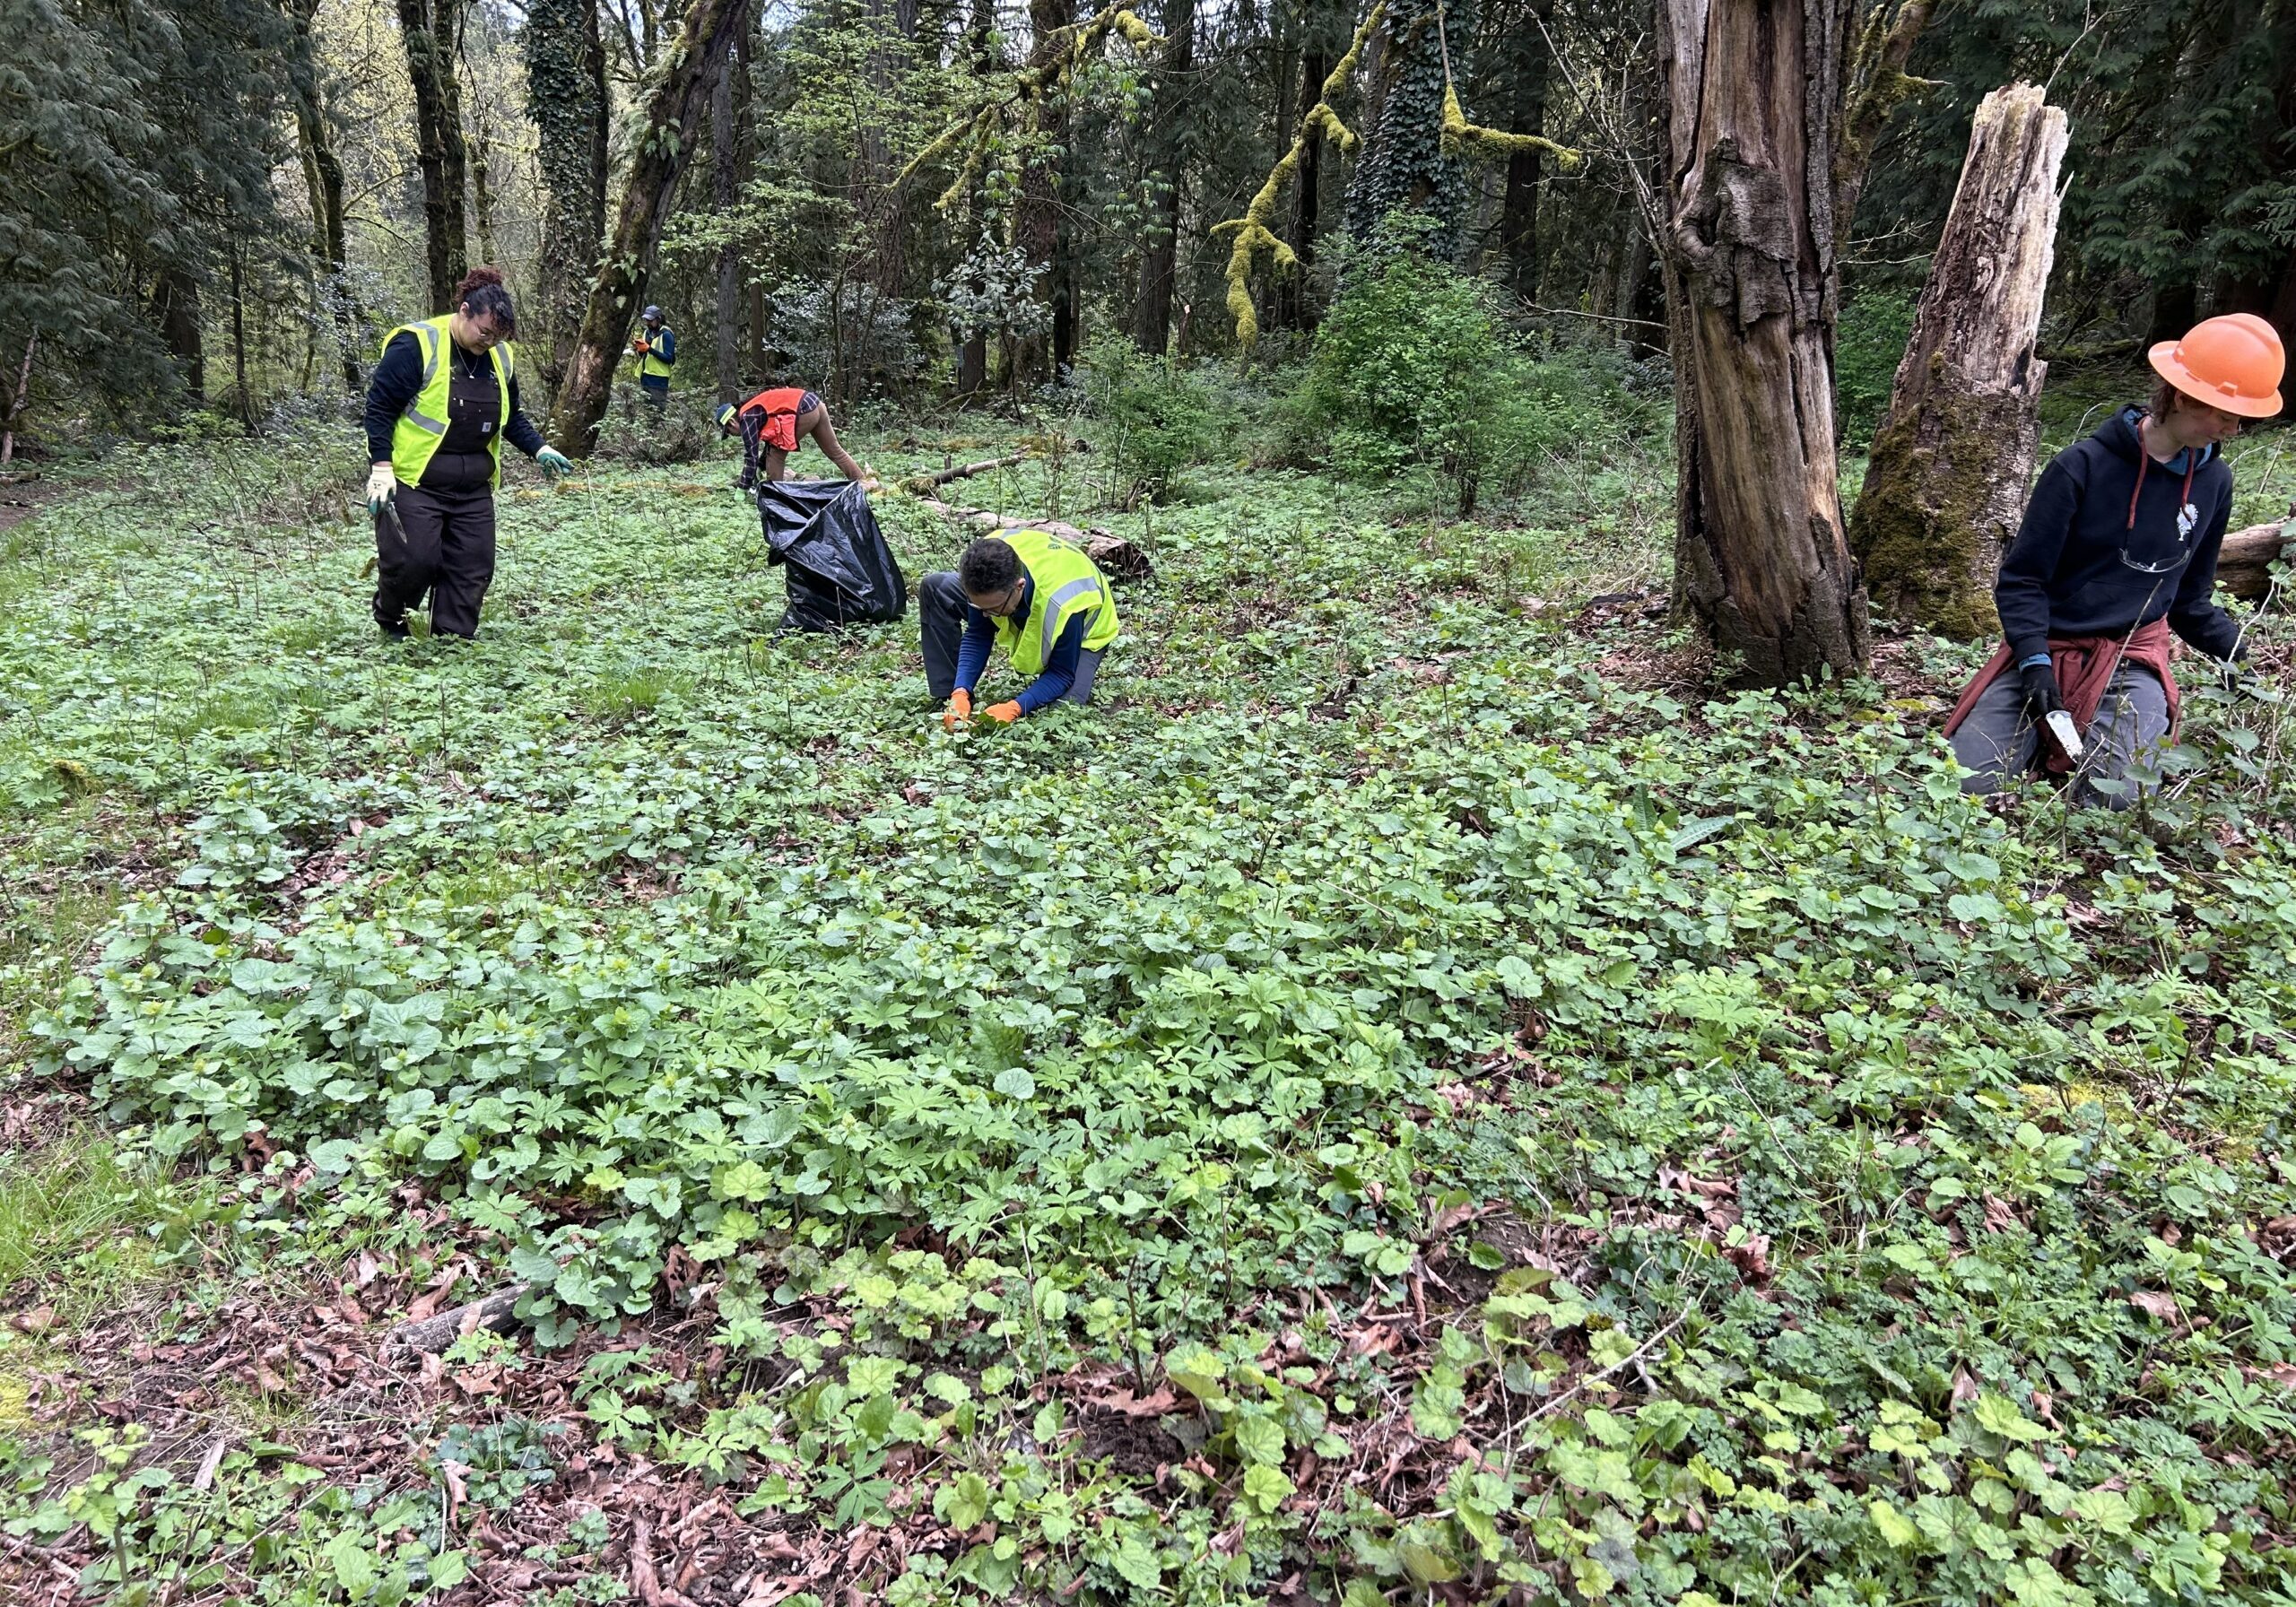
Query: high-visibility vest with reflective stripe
point(650, 364)
point(1063, 582)
point(414, 439)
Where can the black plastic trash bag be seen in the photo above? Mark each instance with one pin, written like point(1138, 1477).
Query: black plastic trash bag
point(840, 570)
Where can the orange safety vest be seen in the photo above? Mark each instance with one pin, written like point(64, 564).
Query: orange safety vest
point(781, 410)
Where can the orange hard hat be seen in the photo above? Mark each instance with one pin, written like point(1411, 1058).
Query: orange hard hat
point(2233, 363)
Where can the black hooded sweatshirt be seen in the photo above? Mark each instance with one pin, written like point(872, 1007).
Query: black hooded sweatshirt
point(2065, 575)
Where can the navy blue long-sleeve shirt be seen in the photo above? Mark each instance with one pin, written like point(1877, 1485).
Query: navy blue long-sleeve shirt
point(2064, 574)
point(1059, 672)
point(398, 379)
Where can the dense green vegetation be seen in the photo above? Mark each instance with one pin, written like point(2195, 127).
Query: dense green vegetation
point(1476, 1112)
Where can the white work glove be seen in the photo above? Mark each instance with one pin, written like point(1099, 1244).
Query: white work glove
point(382, 488)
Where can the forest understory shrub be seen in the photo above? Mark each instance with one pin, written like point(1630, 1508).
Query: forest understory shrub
point(1415, 372)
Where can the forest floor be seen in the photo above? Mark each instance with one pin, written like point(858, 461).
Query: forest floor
point(1418, 1095)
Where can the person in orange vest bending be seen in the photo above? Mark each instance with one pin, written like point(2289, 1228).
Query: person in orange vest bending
point(773, 423)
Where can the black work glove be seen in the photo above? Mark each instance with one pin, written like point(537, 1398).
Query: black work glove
point(2042, 697)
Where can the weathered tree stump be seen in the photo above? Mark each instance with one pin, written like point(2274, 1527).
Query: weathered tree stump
point(1945, 485)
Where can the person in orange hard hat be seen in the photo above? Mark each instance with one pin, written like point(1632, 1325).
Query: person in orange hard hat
point(2117, 549)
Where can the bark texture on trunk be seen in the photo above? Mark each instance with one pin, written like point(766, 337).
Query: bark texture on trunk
point(175, 308)
point(1770, 107)
point(1945, 485)
point(1294, 300)
point(671, 121)
point(1038, 229)
point(1531, 59)
point(566, 65)
point(323, 169)
point(1152, 320)
point(726, 176)
point(428, 29)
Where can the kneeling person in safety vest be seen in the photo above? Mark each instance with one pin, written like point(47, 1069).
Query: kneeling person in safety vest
point(444, 394)
point(1032, 593)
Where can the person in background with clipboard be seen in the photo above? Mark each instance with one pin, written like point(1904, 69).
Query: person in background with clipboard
point(2118, 548)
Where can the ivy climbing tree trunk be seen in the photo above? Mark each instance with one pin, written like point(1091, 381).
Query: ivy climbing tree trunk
point(670, 121)
point(1152, 321)
point(1771, 107)
point(1945, 483)
point(1405, 167)
point(566, 95)
point(428, 29)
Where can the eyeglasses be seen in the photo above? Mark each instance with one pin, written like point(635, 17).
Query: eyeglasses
point(488, 335)
point(1005, 604)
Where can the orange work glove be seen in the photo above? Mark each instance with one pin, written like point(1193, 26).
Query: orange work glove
point(960, 709)
point(640, 347)
point(1003, 714)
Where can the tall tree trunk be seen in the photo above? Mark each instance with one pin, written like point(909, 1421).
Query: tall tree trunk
point(566, 95)
point(1771, 107)
point(482, 194)
point(671, 121)
point(982, 56)
point(15, 415)
point(240, 338)
point(1294, 298)
point(1530, 59)
point(1158, 258)
point(175, 308)
point(1038, 229)
point(323, 172)
point(1945, 485)
point(1404, 167)
point(725, 192)
point(428, 29)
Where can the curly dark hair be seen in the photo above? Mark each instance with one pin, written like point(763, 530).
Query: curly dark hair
point(989, 565)
point(481, 293)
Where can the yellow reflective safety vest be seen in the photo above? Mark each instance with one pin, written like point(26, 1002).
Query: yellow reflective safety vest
point(414, 439)
point(650, 364)
point(1063, 583)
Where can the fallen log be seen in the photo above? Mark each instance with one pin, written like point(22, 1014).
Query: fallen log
point(919, 485)
point(2244, 566)
point(435, 1333)
point(1115, 555)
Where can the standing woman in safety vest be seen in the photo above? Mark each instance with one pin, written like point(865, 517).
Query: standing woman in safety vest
point(2117, 549)
point(443, 397)
point(656, 348)
point(1034, 595)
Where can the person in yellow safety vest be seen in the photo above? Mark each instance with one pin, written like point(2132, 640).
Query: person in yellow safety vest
point(656, 348)
point(1032, 593)
point(444, 394)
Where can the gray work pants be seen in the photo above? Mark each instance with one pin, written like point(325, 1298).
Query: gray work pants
point(1998, 745)
point(941, 614)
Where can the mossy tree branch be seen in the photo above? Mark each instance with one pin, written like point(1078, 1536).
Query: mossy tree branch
point(1254, 231)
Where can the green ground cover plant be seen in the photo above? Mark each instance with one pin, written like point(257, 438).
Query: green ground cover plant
point(1410, 1099)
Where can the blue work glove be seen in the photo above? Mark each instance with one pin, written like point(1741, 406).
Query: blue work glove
point(553, 462)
